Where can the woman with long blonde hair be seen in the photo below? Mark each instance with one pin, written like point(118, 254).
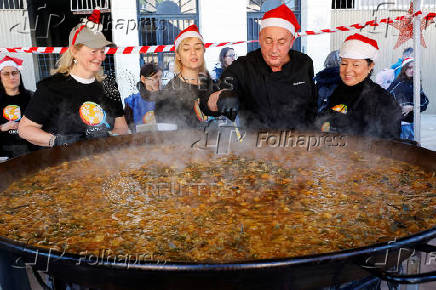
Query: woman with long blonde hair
point(74, 103)
point(179, 102)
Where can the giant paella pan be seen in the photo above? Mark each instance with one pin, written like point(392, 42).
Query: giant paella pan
point(273, 210)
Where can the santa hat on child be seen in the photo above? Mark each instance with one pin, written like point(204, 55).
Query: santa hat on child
point(281, 16)
point(89, 32)
point(11, 61)
point(407, 60)
point(190, 31)
point(358, 46)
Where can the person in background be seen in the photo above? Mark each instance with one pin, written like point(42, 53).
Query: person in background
point(139, 107)
point(13, 101)
point(73, 104)
point(402, 90)
point(168, 75)
point(407, 53)
point(328, 79)
point(273, 86)
point(358, 106)
point(385, 77)
point(226, 58)
point(179, 101)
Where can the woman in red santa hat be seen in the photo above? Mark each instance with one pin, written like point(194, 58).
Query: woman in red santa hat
point(179, 102)
point(13, 101)
point(358, 106)
point(74, 104)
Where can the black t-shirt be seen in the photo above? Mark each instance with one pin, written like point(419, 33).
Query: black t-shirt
point(179, 102)
point(12, 108)
point(363, 109)
point(63, 105)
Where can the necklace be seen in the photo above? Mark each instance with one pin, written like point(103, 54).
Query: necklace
point(189, 81)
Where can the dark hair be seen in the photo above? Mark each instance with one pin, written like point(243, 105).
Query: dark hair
point(402, 76)
point(21, 87)
point(332, 60)
point(223, 54)
point(149, 69)
point(370, 61)
point(407, 52)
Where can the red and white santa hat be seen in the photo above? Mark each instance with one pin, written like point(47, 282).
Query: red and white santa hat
point(358, 46)
point(190, 31)
point(281, 16)
point(89, 32)
point(407, 60)
point(11, 61)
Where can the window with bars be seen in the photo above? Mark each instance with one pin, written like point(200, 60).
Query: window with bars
point(161, 21)
point(342, 4)
point(47, 62)
point(86, 6)
point(11, 4)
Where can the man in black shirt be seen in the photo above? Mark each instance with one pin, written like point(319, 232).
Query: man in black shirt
point(273, 86)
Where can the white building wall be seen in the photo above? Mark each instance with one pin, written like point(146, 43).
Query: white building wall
point(15, 32)
point(223, 21)
point(316, 14)
point(125, 33)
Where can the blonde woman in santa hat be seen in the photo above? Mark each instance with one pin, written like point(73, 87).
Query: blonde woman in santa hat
point(358, 106)
point(13, 101)
point(74, 104)
point(179, 102)
point(402, 90)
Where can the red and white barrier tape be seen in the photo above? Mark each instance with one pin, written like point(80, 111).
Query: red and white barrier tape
point(372, 23)
point(168, 48)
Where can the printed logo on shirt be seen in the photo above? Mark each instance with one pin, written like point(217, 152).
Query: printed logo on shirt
point(12, 113)
point(298, 83)
point(325, 127)
point(200, 116)
point(340, 108)
point(93, 114)
point(149, 118)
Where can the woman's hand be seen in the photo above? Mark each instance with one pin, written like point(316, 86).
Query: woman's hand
point(406, 109)
point(11, 125)
point(120, 127)
point(33, 133)
point(213, 99)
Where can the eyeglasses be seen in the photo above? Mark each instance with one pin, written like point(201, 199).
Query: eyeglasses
point(14, 74)
point(231, 55)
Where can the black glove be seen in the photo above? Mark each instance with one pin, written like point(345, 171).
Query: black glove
point(66, 139)
point(228, 105)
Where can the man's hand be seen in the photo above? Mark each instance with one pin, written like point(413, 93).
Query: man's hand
point(228, 104)
point(406, 109)
point(11, 125)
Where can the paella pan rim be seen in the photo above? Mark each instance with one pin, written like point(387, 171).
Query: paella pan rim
point(349, 254)
point(95, 146)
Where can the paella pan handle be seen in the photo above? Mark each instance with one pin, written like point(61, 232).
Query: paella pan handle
point(407, 142)
point(409, 279)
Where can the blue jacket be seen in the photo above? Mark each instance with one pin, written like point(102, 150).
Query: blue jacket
point(139, 107)
point(326, 81)
point(402, 91)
